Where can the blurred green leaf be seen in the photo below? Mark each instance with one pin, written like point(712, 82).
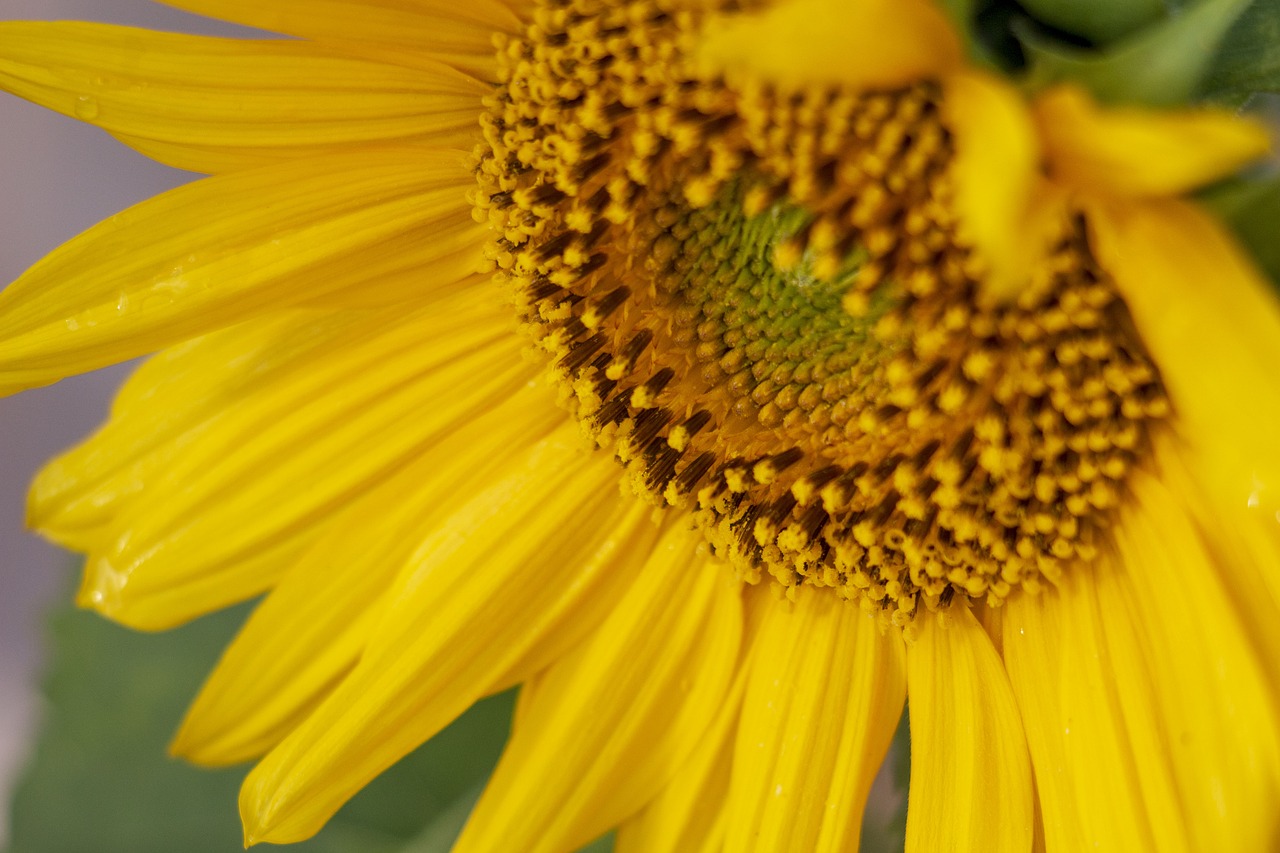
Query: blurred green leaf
point(439, 833)
point(100, 781)
point(1248, 60)
point(1100, 21)
point(1163, 64)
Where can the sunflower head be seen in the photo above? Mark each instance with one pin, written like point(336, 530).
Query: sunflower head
point(760, 295)
point(923, 329)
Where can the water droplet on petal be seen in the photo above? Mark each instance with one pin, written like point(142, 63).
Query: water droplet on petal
point(86, 107)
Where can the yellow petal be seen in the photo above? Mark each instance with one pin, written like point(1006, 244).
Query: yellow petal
point(610, 724)
point(514, 558)
point(1086, 777)
point(403, 32)
point(688, 814)
point(861, 44)
point(74, 498)
point(823, 698)
point(234, 493)
point(212, 104)
point(970, 775)
point(225, 249)
point(310, 631)
point(1003, 210)
point(1135, 152)
point(1243, 539)
point(1151, 721)
point(1212, 325)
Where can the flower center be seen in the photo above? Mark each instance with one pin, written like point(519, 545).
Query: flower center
point(758, 302)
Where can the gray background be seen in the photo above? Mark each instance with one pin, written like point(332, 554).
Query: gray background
point(57, 177)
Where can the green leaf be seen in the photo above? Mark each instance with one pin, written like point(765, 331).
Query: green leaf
point(1248, 60)
point(100, 781)
point(1164, 64)
point(1100, 21)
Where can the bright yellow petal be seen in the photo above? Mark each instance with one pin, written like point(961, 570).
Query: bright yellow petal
point(1135, 152)
point(211, 104)
point(611, 723)
point(404, 32)
point(213, 513)
point(970, 774)
point(225, 249)
point(1212, 325)
point(688, 815)
point(514, 559)
point(1215, 715)
point(1086, 776)
point(1151, 721)
point(310, 631)
point(75, 497)
point(1244, 542)
point(861, 44)
point(1002, 209)
point(823, 698)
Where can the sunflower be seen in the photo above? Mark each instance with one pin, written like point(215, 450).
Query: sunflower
point(914, 383)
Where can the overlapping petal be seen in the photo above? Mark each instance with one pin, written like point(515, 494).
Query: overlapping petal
point(1148, 713)
point(609, 724)
point(225, 249)
point(310, 631)
point(1243, 539)
point(823, 698)
point(223, 497)
point(514, 558)
point(688, 814)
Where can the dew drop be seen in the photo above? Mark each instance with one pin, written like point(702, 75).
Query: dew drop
point(122, 302)
point(87, 107)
